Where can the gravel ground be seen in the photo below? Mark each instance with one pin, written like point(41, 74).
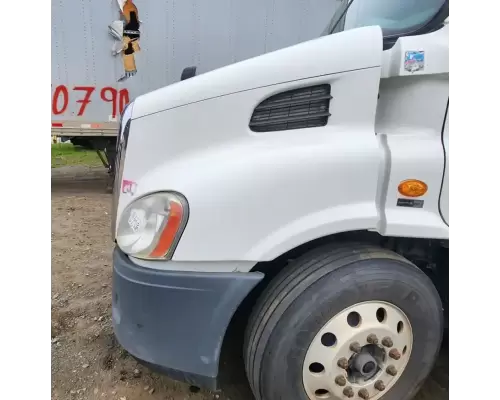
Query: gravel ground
point(87, 362)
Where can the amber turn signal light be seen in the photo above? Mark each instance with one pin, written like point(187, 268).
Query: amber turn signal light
point(412, 188)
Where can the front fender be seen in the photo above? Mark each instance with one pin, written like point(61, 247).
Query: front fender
point(253, 198)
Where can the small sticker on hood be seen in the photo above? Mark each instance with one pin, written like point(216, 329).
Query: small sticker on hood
point(129, 187)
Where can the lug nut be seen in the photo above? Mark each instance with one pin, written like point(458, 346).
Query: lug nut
point(387, 342)
point(355, 347)
point(379, 385)
point(343, 363)
point(363, 393)
point(348, 392)
point(391, 370)
point(372, 339)
point(340, 380)
point(395, 354)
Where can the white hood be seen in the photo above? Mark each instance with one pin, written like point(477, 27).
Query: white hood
point(322, 56)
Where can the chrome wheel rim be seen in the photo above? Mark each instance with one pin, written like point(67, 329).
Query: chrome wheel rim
point(360, 353)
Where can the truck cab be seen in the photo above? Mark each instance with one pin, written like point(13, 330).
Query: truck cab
point(309, 186)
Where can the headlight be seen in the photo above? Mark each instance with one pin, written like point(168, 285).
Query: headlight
point(151, 226)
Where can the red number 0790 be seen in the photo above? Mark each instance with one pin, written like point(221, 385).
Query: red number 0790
point(60, 99)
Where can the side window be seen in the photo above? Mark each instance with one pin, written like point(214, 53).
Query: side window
point(395, 17)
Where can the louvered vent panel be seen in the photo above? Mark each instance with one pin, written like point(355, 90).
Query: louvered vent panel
point(295, 109)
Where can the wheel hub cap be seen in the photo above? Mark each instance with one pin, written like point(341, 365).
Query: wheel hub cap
point(364, 364)
point(360, 353)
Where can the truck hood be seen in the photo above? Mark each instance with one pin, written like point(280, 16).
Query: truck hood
point(302, 61)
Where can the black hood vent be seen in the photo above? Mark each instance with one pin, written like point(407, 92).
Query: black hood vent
point(306, 107)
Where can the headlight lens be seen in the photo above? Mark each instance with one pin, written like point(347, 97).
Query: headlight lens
point(150, 226)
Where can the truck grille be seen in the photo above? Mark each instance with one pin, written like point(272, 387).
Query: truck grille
point(295, 109)
point(121, 149)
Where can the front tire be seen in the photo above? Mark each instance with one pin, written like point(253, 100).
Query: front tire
point(325, 285)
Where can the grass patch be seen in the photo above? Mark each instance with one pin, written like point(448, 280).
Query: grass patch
point(66, 154)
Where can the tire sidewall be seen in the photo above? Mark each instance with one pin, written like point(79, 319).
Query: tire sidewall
point(385, 280)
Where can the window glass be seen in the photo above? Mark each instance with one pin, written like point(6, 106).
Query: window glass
point(393, 16)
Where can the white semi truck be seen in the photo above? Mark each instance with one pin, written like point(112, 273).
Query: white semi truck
point(310, 185)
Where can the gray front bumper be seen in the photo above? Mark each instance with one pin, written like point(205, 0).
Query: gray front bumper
point(174, 322)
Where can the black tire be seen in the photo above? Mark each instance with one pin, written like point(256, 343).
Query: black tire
point(317, 286)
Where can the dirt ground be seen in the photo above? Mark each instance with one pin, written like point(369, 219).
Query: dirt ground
point(87, 362)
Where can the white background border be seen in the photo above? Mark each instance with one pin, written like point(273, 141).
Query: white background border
point(475, 214)
point(25, 201)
